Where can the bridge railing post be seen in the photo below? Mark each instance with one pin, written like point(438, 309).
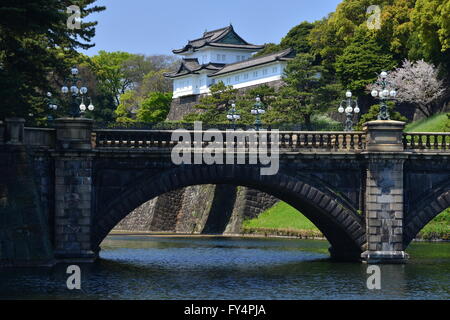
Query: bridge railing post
point(74, 133)
point(14, 131)
point(384, 192)
point(73, 190)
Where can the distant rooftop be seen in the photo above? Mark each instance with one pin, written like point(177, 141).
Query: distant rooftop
point(284, 55)
point(189, 66)
point(222, 38)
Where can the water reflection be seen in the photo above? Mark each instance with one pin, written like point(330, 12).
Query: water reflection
point(141, 267)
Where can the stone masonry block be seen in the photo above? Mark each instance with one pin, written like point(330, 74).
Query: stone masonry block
point(374, 223)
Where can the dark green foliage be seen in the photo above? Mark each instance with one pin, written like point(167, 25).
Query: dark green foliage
point(155, 107)
point(213, 108)
point(35, 46)
point(268, 49)
point(309, 91)
point(361, 62)
point(297, 38)
point(372, 114)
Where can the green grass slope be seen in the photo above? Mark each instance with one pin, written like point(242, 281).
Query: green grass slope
point(280, 216)
point(285, 220)
point(436, 123)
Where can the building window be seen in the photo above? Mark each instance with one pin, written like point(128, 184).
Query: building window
point(228, 80)
point(265, 72)
point(237, 78)
point(274, 70)
point(246, 76)
point(223, 57)
point(255, 74)
point(218, 57)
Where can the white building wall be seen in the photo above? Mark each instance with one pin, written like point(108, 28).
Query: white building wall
point(199, 84)
point(182, 86)
point(191, 84)
point(253, 76)
point(214, 55)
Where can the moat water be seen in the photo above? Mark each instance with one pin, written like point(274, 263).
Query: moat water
point(153, 267)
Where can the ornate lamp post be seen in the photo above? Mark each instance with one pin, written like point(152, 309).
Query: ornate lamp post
point(384, 94)
point(52, 104)
point(77, 94)
point(258, 109)
point(349, 106)
point(233, 115)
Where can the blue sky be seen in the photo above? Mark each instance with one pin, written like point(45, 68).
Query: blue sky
point(157, 27)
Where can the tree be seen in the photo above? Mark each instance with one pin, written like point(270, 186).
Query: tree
point(213, 107)
point(361, 61)
point(155, 81)
point(268, 49)
point(373, 112)
point(308, 91)
point(111, 71)
point(417, 83)
point(298, 38)
point(127, 109)
point(155, 107)
point(432, 26)
point(245, 103)
point(33, 36)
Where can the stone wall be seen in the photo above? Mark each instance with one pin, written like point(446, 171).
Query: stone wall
point(195, 208)
point(250, 203)
point(207, 209)
point(24, 224)
point(140, 219)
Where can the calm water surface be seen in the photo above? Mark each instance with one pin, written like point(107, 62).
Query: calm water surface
point(149, 267)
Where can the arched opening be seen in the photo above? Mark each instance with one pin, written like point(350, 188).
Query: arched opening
point(342, 227)
point(202, 209)
point(437, 204)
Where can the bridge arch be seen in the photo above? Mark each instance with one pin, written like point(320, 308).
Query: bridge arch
point(342, 227)
point(419, 217)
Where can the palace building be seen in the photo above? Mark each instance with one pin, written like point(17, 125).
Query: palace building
point(222, 55)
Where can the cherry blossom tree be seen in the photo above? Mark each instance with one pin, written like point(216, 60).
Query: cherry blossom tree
point(416, 83)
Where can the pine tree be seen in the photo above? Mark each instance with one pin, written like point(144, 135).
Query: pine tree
point(36, 44)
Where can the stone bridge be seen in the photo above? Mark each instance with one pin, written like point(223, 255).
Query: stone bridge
point(368, 192)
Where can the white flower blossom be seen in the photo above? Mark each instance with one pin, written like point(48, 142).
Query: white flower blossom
point(416, 83)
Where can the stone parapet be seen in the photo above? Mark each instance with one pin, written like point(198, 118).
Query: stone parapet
point(384, 136)
point(74, 133)
point(14, 131)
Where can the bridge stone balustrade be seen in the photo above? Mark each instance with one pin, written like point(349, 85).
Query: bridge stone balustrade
point(369, 192)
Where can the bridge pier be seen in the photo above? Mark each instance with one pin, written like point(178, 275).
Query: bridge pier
point(384, 206)
point(73, 191)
